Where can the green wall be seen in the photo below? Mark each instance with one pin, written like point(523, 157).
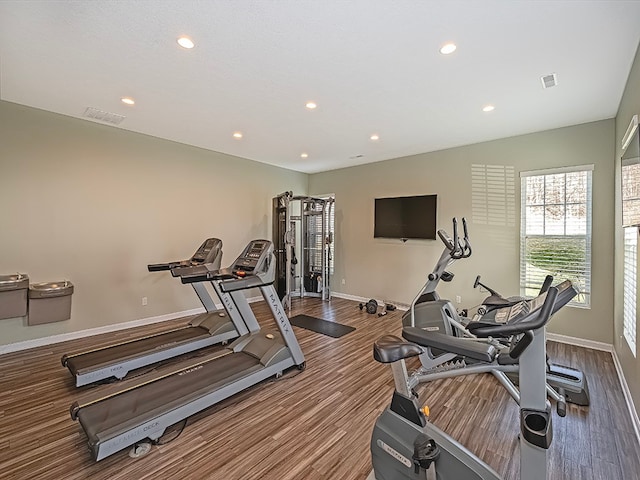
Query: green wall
point(395, 271)
point(95, 204)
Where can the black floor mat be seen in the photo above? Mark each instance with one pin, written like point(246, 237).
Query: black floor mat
point(332, 329)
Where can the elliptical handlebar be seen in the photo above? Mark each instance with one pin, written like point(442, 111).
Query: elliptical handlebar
point(455, 249)
point(456, 252)
point(488, 289)
point(466, 248)
point(446, 239)
point(459, 247)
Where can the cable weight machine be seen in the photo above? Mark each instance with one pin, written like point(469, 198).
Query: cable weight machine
point(303, 240)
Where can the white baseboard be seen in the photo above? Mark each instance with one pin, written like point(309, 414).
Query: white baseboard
point(346, 296)
point(355, 298)
point(579, 342)
point(627, 395)
point(64, 337)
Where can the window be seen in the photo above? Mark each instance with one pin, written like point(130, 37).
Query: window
point(630, 194)
point(630, 262)
point(555, 230)
point(331, 222)
point(318, 245)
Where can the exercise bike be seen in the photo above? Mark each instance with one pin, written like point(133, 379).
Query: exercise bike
point(431, 313)
point(405, 445)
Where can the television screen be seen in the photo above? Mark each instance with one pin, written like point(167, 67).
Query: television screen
point(406, 217)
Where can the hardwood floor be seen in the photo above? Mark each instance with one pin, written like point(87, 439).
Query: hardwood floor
point(314, 424)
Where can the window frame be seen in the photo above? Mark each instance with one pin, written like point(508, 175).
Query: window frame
point(584, 298)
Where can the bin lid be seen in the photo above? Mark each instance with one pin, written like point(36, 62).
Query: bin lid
point(50, 289)
point(14, 281)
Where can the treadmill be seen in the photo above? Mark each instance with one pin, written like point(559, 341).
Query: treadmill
point(210, 328)
point(146, 406)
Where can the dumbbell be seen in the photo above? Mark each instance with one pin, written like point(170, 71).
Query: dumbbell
point(371, 306)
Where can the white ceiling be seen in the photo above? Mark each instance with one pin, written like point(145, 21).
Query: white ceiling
point(372, 66)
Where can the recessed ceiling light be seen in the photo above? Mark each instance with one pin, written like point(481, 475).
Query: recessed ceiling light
point(304, 155)
point(237, 134)
point(488, 108)
point(374, 137)
point(185, 42)
point(128, 100)
point(311, 105)
point(448, 48)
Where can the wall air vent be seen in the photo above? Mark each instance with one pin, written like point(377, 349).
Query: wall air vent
point(549, 81)
point(102, 116)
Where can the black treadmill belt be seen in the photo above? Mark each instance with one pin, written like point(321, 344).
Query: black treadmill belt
point(126, 351)
point(125, 411)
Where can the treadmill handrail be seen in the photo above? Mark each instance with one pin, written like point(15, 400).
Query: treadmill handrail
point(192, 269)
point(223, 274)
point(160, 267)
point(252, 281)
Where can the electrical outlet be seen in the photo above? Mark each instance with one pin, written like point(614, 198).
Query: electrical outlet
point(458, 299)
point(144, 301)
point(343, 281)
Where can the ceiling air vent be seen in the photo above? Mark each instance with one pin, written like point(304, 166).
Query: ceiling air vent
point(549, 81)
point(103, 116)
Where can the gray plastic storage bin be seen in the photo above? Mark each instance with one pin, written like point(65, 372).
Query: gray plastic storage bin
point(13, 295)
point(49, 302)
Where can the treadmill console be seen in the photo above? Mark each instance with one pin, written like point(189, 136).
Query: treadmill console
point(253, 268)
point(253, 256)
point(206, 253)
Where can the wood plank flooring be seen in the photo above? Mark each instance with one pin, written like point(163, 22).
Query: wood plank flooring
point(314, 424)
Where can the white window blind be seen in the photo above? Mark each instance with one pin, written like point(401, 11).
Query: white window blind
point(630, 279)
point(331, 224)
point(630, 194)
point(315, 239)
point(555, 232)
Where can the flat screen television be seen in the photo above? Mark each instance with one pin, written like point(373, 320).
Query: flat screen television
point(406, 217)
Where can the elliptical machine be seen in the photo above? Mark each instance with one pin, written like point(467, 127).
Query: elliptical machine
point(405, 445)
point(431, 313)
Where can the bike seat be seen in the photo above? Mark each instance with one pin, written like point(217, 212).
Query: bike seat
point(389, 349)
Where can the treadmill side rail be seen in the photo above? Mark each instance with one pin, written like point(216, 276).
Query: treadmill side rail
point(107, 444)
